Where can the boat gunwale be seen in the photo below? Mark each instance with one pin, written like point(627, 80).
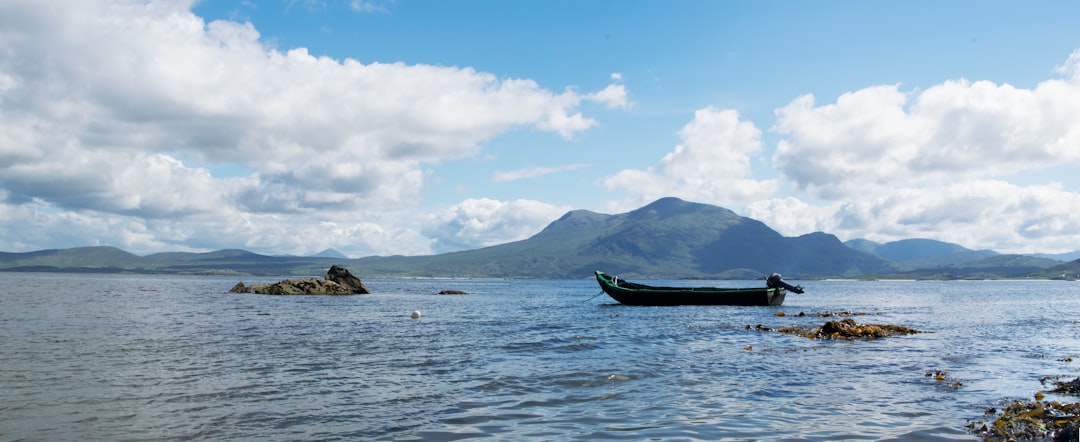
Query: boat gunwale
point(632, 293)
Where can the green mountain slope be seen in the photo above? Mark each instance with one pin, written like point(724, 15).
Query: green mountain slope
point(1069, 270)
point(99, 258)
point(669, 238)
point(921, 253)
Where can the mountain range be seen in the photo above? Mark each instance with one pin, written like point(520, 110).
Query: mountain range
point(669, 239)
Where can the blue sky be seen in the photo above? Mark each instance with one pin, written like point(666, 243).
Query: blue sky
point(417, 127)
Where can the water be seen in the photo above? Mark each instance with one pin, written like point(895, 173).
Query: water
point(137, 357)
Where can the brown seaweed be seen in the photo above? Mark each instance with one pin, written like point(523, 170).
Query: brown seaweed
point(846, 329)
point(1035, 420)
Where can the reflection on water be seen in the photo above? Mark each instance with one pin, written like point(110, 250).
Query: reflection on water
point(153, 357)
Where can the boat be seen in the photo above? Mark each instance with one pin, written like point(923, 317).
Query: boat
point(632, 293)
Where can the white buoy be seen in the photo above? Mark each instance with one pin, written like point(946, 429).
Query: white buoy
point(416, 314)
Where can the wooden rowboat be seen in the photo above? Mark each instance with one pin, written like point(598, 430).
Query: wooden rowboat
point(632, 293)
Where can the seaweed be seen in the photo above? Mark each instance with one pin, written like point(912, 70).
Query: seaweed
point(1036, 420)
point(941, 377)
point(1068, 387)
point(845, 329)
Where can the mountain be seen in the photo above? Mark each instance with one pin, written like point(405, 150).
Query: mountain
point(110, 259)
point(1069, 270)
point(330, 253)
point(863, 245)
point(994, 267)
point(1063, 257)
point(920, 253)
point(669, 238)
point(98, 258)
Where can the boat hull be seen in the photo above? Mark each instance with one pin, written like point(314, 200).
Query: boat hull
point(631, 293)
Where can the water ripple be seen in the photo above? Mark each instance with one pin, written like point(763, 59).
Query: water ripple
point(159, 357)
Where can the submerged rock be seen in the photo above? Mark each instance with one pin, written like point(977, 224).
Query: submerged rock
point(338, 281)
point(848, 329)
point(1069, 387)
point(1033, 420)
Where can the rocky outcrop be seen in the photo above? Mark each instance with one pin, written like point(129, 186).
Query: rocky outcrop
point(338, 281)
point(345, 279)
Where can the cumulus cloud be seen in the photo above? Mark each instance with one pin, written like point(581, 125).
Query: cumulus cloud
point(613, 96)
point(978, 214)
point(885, 164)
point(485, 222)
point(102, 102)
point(1071, 68)
point(712, 164)
point(878, 138)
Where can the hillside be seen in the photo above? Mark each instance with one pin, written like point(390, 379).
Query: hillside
point(667, 239)
point(111, 259)
point(921, 253)
point(101, 258)
point(1069, 270)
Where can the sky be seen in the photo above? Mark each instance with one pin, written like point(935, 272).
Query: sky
point(414, 127)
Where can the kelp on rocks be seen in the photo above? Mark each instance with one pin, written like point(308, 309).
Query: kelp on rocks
point(1069, 387)
point(943, 378)
point(1036, 420)
point(847, 329)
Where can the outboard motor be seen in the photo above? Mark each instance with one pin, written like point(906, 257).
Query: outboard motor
point(776, 281)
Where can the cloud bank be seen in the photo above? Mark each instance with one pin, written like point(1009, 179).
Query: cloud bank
point(114, 116)
point(884, 164)
point(139, 124)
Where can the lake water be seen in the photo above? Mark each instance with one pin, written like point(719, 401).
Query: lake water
point(151, 357)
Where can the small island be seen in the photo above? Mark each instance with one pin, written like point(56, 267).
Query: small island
point(338, 281)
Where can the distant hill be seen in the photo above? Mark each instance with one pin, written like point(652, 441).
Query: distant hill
point(1069, 270)
point(863, 245)
point(330, 253)
point(667, 239)
point(920, 253)
point(1062, 257)
point(99, 258)
point(994, 267)
point(111, 259)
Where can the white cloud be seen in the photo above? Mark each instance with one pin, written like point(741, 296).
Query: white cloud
point(877, 138)
point(613, 96)
point(368, 6)
point(101, 100)
point(711, 165)
point(1071, 68)
point(977, 214)
point(532, 172)
point(476, 223)
point(886, 165)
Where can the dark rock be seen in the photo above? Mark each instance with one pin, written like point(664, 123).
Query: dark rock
point(1034, 420)
point(849, 329)
point(1070, 387)
point(342, 276)
point(338, 281)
